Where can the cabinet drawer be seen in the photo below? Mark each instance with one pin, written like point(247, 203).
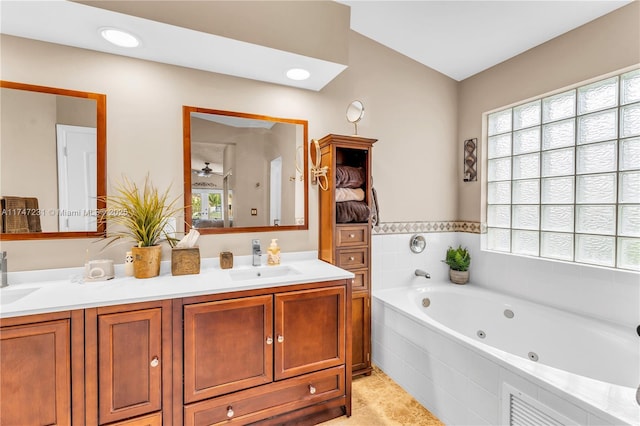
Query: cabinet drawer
point(353, 258)
point(261, 402)
point(352, 235)
point(361, 280)
point(151, 420)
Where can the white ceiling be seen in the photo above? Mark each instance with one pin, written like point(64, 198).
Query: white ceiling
point(462, 38)
point(457, 38)
point(78, 25)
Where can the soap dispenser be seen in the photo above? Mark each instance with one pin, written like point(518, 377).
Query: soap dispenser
point(273, 253)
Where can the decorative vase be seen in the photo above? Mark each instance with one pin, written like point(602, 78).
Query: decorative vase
point(146, 261)
point(458, 277)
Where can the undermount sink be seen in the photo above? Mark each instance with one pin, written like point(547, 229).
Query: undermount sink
point(262, 272)
point(9, 295)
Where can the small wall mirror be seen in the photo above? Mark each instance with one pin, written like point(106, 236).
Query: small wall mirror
point(53, 164)
point(244, 172)
point(355, 112)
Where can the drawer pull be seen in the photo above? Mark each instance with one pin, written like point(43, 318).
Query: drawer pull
point(230, 412)
point(352, 235)
point(312, 389)
point(155, 361)
point(269, 340)
point(351, 258)
point(280, 338)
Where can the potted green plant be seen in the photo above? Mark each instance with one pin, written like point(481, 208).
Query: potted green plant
point(140, 214)
point(458, 260)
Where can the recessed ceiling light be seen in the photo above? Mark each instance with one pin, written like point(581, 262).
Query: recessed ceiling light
point(119, 37)
point(298, 74)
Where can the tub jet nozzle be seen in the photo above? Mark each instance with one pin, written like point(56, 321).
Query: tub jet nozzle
point(421, 273)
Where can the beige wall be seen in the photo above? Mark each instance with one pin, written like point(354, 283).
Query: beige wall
point(411, 109)
point(419, 116)
point(599, 47)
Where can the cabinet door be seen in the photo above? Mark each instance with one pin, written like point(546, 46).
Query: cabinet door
point(360, 329)
point(129, 372)
point(310, 333)
point(228, 346)
point(35, 382)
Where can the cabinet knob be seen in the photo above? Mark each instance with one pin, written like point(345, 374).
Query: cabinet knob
point(312, 389)
point(280, 338)
point(352, 235)
point(155, 361)
point(230, 412)
point(351, 258)
point(269, 340)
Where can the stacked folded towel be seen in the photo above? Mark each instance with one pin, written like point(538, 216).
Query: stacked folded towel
point(350, 204)
point(349, 194)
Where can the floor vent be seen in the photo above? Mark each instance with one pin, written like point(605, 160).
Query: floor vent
point(519, 409)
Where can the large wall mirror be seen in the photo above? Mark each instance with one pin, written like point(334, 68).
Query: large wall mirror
point(244, 172)
point(52, 162)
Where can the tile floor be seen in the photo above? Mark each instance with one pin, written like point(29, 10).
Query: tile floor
point(379, 401)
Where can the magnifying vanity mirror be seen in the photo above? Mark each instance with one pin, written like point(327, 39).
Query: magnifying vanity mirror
point(244, 172)
point(53, 163)
point(355, 112)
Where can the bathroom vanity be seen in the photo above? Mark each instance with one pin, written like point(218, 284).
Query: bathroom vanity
point(224, 346)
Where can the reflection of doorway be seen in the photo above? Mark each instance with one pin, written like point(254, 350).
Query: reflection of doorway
point(207, 205)
point(77, 178)
point(275, 192)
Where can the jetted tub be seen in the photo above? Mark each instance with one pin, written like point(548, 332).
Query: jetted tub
point(465, 342)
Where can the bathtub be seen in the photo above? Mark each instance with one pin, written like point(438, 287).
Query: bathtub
point(473, 356)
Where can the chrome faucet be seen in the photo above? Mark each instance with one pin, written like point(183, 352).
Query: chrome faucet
point(256, 252)
point(3, 269)
point(421, 273)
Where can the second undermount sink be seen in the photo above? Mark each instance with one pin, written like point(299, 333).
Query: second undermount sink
point(9, 295)
point(262, 272)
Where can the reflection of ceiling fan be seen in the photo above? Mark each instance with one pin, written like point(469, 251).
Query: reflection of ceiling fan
point(206, 171)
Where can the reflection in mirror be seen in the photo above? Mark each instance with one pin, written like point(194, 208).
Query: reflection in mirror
point(53, 162)
point(355, 112)
point(244, 172)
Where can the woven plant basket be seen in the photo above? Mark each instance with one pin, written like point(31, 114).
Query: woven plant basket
point(458, 277)
point(146, 261)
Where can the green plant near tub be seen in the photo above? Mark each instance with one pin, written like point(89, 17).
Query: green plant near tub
point(140, 214)
point(458, 260)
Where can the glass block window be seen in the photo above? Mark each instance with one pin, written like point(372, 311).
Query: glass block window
point(563, 175)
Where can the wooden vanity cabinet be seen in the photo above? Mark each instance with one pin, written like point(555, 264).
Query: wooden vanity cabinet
point(348, 245)
point(126, 349)
point(262, 356)
point(37, 382)
point(266, 356)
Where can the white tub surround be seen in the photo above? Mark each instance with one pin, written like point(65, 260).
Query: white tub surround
point(54, 290)
point(603, 293)
point(444, 363)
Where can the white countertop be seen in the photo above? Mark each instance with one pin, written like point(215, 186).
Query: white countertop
point(54, 290)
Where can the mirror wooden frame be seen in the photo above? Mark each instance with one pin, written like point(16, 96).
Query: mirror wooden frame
point(186, 122)
point(101, 157)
